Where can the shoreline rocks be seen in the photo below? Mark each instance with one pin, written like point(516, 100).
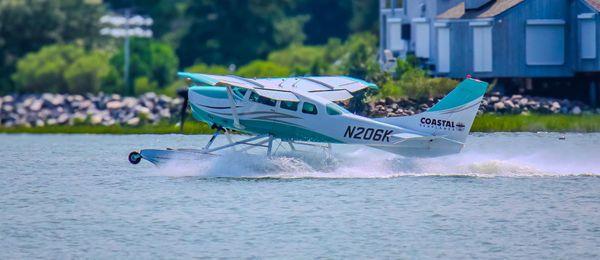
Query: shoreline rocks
point(33, 110)
point(492, 103)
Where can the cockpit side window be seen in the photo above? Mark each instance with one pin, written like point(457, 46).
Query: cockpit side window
point(289, 105)
point(334, 110)
point(309, 108)
point(263, 100)
point(240, 92)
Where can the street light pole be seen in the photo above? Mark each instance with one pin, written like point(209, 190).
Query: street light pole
point(127, 90)
point(126, 26)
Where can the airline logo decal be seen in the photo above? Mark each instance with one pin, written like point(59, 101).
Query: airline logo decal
point(442, 124)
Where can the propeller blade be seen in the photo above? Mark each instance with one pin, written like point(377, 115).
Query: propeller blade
point(183, 113)
point(183, 92)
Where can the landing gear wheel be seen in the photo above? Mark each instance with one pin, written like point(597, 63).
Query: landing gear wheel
point(134, 157)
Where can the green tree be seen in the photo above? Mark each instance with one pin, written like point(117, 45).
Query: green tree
point(62, 68)
point(143, 85)
point(360, 57)
point(365, 16)
point(151, 59)
point(232, 31)
point(301, 59)
point(264, 69)
point(88, 73)
point(27, 25)
point(203, 68)
point(337, 19)
point(42, 71)
point(328, 19)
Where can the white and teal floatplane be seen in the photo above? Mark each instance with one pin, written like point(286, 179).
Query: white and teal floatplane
point(303, 111)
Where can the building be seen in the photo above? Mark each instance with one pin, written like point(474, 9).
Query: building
point(547, 47)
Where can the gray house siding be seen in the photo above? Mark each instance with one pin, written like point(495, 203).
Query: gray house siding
point(410, 10)
point(581, 64)
point(509, 37)
point(508, 43)
point(533, 42)
point(433, 9)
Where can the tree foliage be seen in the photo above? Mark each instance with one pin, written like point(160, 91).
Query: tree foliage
point(231, 31)
point(265, 69)
point(262, 38)
point(411, 81)
point(151, 59)
point(27, 25)
point(301, 59)
point(360, 57)
point(203, 68)
point(88, 73)
point(62, 68)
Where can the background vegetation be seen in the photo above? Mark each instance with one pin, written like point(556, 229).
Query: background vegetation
point(55, 45)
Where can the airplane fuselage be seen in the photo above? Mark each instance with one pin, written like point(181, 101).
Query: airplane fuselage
point(312, 119)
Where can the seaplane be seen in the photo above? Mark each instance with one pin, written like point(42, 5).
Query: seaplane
point(306, 111)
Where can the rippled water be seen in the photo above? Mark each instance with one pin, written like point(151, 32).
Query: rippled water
point(505, 196)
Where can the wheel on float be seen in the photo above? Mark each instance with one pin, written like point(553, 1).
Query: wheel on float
point(134, 157)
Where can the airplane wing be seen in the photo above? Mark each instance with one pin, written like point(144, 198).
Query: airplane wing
point(333, 88)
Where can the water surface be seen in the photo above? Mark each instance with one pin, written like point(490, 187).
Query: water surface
point(506, 196)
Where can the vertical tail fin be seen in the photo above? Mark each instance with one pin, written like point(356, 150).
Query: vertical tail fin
point(452, 117)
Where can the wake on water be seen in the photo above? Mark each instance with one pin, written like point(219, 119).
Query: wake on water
point(479, 159)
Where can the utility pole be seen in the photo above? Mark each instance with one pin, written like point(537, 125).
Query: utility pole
point(128, 90)
point(126, 26)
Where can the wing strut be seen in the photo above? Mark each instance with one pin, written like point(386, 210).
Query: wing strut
point(236, 119)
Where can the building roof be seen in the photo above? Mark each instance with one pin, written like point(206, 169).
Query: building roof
point(594, 3)
point(489, 10)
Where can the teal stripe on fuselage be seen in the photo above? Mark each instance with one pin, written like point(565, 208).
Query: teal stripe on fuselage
point(283, 130)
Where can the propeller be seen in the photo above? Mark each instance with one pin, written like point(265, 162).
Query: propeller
point(183, 92)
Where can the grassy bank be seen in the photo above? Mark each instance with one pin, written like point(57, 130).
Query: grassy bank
point(483, 123)
point(536, 123)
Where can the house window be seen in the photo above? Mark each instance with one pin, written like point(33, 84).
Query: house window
point(587, 36)
point(443, 48)
point(421, 37)
point(482, 46)
point(406, 32)
point(545, 42)
point(394, 34)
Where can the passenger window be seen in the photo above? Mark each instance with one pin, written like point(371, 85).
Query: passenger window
point(240, 92)
point(289, 105)
point(334, 110)
point(309, 108)
point(263, 100)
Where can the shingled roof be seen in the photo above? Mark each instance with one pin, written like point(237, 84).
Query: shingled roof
point(594, 3)
point(488, 10)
